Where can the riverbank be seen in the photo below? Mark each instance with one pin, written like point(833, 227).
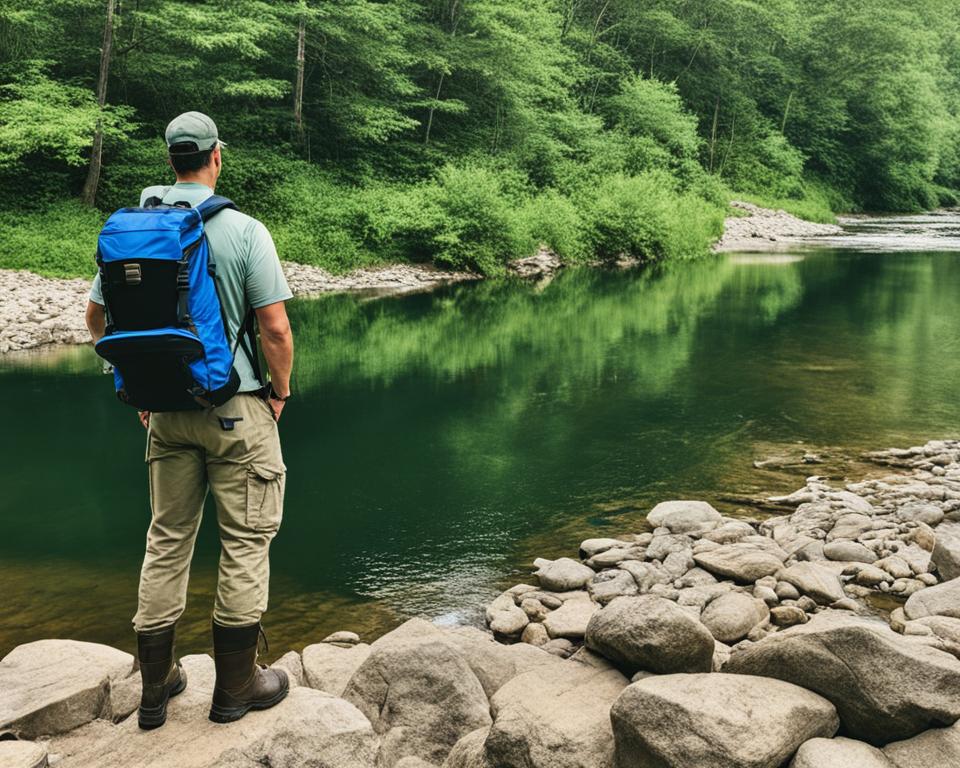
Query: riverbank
point(694, 640)
point(37, 311)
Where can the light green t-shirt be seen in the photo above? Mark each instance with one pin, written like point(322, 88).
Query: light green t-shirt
point(248, 269)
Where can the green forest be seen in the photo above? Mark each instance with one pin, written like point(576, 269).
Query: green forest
point(469, 132)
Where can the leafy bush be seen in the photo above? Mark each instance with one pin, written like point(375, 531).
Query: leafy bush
point(59, 241)
point(647, 218)
point(471, 223)
point(553, 220)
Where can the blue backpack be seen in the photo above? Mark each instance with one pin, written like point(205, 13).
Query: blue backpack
point(166, 335)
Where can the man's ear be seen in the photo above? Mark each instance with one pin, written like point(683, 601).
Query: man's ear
point(217, 159)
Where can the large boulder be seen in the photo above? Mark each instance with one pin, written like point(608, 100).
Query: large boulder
point(419, 693)
point(307, 728)
point(731, 616)
point(495, 663)
point(839, 753)
point(941, 600)
point(53, 686)
point(328, 667)
point(936, 748)
point(22, 754)
point(815, 581)
point(684, 516)
point(570, 620)
point(742, 562)
point(470, 751)
point(564, 574)
point(554, 718)
point(715, 721)
point(946, 550)
point(650, 633)
point(884, 686)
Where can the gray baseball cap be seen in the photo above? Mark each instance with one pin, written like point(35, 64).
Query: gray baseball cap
point(193, 127)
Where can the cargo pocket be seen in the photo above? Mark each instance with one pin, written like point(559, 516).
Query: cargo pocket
point(264, 497)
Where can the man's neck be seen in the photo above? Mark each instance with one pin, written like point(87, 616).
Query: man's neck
point(207, 179)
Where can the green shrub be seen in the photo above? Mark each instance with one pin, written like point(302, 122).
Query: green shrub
point(59, 241)
point(553, 220)
point(470, 223)
point(647, 218)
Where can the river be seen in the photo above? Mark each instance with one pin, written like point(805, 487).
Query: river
point(439, 442)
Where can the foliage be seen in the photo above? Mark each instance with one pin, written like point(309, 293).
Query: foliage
point(469, 133)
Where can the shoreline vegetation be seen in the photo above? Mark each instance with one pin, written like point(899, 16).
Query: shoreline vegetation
point(826, 634)
point(38, 311)
point(465, 135)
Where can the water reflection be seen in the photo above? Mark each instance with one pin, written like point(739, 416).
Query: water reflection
point(440, 441)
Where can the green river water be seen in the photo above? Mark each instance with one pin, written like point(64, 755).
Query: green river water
point(439, 442)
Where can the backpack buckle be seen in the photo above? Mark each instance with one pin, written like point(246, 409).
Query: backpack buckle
point(132, 274)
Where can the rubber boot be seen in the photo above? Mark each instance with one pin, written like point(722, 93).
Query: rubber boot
point(162, 676)
point(242, 684)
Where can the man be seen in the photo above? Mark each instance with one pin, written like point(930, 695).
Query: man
point(234, 450)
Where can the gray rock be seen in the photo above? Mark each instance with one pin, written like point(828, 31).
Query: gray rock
point(53, 686)
point(535, 610)
point(612, 557)
point(470, 751)
point(610, 584)
point(766, 594)
point(839, 753)
point(292, 664)
point(650, 633)
point(555, 717)
point(871, 576)
point(397, 688)
point(715, 721)
point(850, 527)
point(730, 532)
point(731, 616)
point(945, 628)
point(941, 600)
point(342, 637)
point(505, 617)
point(695, 577)
point(895, 566)
point(307, 728)
point(591, 547)
point(920, 512)
point(813, 580)
point(570, 619)
point(678, 563)
point(787, 615)
point(663, 545)
point(646, 575)
point(329, 667)
point(884, 686)
point(936, 748)
point(564, 574)
point(561, 647)
point(535, 634)
point(495, 663)
point(684, 516)
point(786, 591)
point(946, 550)
point(22, 754)
point(742, 562)
point(851, 551)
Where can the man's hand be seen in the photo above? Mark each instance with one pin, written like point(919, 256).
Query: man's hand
point(276, 406)
point(145, 418)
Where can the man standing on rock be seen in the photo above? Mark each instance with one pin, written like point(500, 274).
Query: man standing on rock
point(233, 449)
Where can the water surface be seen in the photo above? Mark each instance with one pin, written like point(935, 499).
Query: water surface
point(438, 442)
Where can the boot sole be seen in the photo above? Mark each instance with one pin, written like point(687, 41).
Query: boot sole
point(232, 714)
point(149, 718)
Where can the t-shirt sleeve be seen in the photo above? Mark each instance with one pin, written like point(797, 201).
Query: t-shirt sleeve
point(96, 293)
point(265, 282)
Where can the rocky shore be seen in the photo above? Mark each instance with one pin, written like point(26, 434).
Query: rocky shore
point(827, 636)
point(765, 229)
point(36, 311)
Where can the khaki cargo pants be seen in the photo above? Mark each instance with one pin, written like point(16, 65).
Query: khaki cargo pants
point(187, 452)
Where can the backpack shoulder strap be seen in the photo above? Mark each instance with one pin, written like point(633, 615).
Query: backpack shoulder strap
point(213, 205)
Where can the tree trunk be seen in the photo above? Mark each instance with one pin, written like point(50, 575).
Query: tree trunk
point(298, 88)
point(89, 194)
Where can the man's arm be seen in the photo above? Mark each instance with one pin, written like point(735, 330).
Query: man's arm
point(96, 320)
point(276, 340)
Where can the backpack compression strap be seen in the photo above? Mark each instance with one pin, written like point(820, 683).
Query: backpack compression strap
point(246, 333)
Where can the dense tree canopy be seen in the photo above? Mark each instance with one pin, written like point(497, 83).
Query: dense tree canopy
point(468, 131)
